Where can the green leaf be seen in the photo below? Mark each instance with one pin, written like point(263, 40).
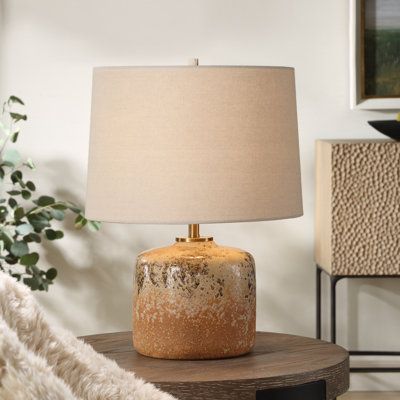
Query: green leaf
point(80, 221)
point(38, 222)
point(45, 214)
point(51, 274)
point(31, 186)
point(29, 259)
point(50, 234)
point(44, 285)
point(19, 213)
point(24, 229)
point(94, 226)
point(15, 99)
point(30, 164)
point(32, 237)
point(32, 283)
point(53, 235)
point(18, 117)
point(59, 207)
point(16, 177)
point(2, 173)
point(12, 202)
point(19, 249)
point(14, 192)
point(57, 214)
point(3, 212)
point(14, 136)
point(7, 236)
point(73, 207)
point(44, 201)
point(35, 270)
point(11, 157)
point(26, 194)
point(10, 259)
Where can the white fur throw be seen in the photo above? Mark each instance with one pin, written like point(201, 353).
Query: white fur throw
point(38, 362)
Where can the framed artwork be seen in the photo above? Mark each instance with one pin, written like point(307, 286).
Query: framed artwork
point(375, 54)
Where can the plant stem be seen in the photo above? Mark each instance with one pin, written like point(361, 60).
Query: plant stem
point(37, 210)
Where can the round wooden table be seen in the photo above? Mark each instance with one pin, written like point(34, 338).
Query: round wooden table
point(277, 360)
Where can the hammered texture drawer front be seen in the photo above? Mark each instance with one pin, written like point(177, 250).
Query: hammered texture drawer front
point(358, 207)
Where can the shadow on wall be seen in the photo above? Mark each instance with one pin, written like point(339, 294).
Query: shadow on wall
point(360, 311)
point(283, 289)
point(95, 270)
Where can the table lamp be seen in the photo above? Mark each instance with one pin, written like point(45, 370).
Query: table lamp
point(193, 145)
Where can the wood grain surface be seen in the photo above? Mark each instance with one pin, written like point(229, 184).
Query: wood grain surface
point(277, 360)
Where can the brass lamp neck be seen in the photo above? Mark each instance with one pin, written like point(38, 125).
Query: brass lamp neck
point(194, 231)
point(194, 235)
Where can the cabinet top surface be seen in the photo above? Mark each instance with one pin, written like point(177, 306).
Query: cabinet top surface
point(357, 141)
point(274, 356)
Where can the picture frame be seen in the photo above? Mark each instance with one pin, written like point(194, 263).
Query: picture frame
point(358, 97)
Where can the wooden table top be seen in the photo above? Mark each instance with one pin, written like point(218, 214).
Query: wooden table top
point(276, 360)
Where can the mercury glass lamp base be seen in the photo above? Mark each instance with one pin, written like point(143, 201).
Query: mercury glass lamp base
point(194, 300)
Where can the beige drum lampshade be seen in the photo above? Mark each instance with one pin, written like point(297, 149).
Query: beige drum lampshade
point(198, 144)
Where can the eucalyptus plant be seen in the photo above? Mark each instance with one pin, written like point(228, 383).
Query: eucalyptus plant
point(25, 218)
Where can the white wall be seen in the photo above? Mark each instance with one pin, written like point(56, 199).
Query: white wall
point(47, 51)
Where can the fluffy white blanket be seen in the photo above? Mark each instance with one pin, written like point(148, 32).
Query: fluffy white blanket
point(38, 362)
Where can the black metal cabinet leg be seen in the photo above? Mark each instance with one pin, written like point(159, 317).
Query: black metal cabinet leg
point(334, 281)
point(318, 305)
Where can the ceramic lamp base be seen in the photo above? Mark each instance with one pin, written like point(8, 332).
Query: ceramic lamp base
point(194, 300)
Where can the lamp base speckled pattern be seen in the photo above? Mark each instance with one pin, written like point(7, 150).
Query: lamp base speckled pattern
point(194, 300)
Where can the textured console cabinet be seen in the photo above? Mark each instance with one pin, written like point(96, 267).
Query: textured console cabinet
point(358, 207)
